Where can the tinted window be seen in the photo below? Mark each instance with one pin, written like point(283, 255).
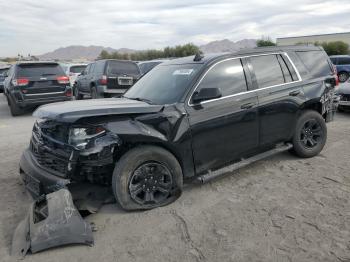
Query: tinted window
point(91, 69)
point(122, 67)
point(316, 63)
point(165, 84)
point(3, 70)
point(344, 61)
point(334, 60)
point(267, 70)
point(77, 69)
point(228, 76)
point(29, 70)
point(99, 67)
point(146, 67)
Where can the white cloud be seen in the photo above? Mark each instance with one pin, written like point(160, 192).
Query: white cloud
point(29, 26)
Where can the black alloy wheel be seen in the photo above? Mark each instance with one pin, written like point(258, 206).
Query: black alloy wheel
point(311, 133)
point(151, 184)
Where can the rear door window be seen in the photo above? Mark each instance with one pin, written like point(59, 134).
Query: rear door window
point(122, 67)
point(267, 70)
point(77, 69)
point(39, 70)
point(228, 76)
point(316, 62)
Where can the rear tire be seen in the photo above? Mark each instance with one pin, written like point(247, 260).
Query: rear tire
point(147, 177)
point(14, 108)
point(93, 92)
point(310, 134)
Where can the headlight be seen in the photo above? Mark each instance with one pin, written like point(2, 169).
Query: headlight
point(79, 137)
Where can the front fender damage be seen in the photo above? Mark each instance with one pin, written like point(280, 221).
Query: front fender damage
point(52, 221)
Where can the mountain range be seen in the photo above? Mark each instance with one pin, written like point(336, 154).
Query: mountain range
point(79, 52)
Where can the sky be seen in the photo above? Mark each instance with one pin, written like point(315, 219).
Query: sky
point(36, 27)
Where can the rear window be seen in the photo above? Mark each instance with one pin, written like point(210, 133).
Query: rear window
point(31, 70)
point(77, 69)
point(316, 62)
point(121, 67)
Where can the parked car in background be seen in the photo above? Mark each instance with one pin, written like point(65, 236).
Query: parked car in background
point(106, 78)
point(72, 71)
point(3, 71)
point(344, 96)
point(195, 117)
point(146, 66)
point(342, 63)
point(29, 84)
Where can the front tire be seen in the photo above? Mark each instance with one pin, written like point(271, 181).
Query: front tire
point(343, 76)
point(77, 94)
point(147, 177)
point(310, 134)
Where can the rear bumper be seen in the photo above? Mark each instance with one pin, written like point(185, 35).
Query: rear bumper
point(39, 99)
point(37, 180)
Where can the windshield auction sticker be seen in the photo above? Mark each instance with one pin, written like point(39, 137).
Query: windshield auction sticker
point(183, 72)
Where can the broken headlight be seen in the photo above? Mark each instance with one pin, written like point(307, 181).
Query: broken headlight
point(79, 137)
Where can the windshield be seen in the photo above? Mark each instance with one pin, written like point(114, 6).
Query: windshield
point(165, 84)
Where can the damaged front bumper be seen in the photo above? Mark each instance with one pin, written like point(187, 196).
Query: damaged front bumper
point(52, 221)
point(37, 180)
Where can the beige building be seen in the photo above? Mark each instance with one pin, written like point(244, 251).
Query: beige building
point(345, 37)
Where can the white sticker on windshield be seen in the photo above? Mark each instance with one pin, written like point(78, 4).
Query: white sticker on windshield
point(183, 72)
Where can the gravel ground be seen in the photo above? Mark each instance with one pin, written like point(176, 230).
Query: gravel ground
point(280, 209)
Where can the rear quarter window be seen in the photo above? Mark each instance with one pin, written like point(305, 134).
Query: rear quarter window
point(316, 62)
point(32, 70)
point(122, 67)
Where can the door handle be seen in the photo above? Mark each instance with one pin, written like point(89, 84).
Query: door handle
point(247, 106)
point(294, 93)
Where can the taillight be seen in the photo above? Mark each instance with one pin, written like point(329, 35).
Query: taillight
point(62, 79)
point(69, 93)
point(335, 72)
point(20, 82)
point(103, 80)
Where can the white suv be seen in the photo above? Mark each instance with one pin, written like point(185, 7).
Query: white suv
point(72, 71)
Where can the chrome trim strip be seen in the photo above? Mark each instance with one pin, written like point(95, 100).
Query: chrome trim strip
point(40, 94)
point(249, 91)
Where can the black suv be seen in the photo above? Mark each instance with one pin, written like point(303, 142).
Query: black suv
point(196, 117)
point(29, 84)
point(106, 78)
point(3, 72)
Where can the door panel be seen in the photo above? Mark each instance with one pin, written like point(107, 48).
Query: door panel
point(223, 130)
point(280, 95)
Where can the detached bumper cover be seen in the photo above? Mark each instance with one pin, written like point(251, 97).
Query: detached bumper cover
point(52, 221)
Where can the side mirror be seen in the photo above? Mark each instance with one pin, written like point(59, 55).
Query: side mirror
point(82, 73)
point(5, 74)
point(206, 94)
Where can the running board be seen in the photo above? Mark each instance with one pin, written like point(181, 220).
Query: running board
point(244, 162)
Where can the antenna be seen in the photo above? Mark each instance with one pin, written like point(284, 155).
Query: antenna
point(198, 57)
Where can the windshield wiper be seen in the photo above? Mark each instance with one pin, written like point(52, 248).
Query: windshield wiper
point(139, 99)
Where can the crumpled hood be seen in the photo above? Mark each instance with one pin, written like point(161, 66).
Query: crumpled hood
point(74, 110)
point(344, 88)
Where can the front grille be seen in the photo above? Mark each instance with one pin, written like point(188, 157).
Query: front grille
point(345, 98)
point(49, 153)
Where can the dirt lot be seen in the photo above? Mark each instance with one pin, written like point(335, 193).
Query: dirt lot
point(280, 209)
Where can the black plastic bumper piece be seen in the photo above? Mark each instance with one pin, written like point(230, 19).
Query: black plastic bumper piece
point(37, 180)
point(52, 221)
